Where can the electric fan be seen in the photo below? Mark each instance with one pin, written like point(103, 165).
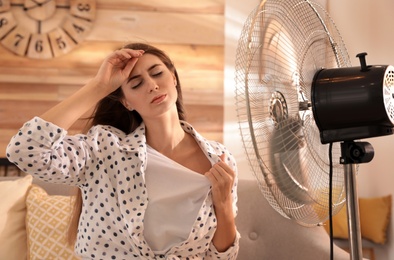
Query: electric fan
point(295, 92)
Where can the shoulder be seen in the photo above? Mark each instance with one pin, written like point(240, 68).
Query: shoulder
point(222, 149)
point(219, 147)
point(107, 133)
point(105, 130)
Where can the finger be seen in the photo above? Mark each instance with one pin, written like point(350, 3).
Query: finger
point(221, 161)
point(221, 176)
point(225, 167)
point(211, 177)
point(129, 66)
point(131, 53)
point(224, 174)
point(123, 55)
point(217, 173)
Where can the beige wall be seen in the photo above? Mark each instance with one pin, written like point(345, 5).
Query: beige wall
point(365, 26)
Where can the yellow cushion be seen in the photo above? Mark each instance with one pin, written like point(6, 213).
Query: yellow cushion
point(47, 221)
point(12, 218)
point(375, 214)
point(340, 225)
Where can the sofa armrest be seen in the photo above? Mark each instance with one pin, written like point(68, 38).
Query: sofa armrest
point(265, 234)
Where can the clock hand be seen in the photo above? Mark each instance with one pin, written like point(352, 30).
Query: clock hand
point(29, 8)
point(63, 6)
point(38, 4)
point(39, 26)
point(13, 4)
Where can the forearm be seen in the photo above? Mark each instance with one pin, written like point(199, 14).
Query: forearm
point(226, 230)
point(72, 108)
point(115, 69)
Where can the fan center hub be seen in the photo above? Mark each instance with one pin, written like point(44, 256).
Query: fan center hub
point(278, 108)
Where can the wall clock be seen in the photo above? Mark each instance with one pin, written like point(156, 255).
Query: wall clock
point(44, 29)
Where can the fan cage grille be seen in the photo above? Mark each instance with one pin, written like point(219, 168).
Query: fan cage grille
point(281, 47)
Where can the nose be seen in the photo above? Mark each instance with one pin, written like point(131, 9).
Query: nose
point(152, 86)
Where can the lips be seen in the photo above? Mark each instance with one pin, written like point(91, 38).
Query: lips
point(158, 99)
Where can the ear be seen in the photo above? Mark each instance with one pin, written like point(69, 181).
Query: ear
point(175, 82)
point(126, 104)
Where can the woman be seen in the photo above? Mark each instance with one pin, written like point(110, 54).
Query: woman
point(151, 186)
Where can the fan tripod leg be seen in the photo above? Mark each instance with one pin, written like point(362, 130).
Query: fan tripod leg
point(351, 154)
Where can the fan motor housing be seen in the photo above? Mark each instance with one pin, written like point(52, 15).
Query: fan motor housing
point(351, 103)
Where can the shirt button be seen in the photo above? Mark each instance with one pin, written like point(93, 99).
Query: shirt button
point(253, 235)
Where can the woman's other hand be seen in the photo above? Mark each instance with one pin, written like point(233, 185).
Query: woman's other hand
point(221, 177)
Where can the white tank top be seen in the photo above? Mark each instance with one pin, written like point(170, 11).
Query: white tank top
point(175, 194)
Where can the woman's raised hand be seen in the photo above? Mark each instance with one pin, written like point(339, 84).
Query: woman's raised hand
point(116, 68)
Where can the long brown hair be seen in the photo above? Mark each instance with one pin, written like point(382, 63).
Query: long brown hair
point(110, 111)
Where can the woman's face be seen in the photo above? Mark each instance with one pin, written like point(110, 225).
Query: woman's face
point(151, 88)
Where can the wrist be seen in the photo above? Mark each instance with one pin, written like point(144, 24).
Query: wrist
point(224, 209)
point(97, 88)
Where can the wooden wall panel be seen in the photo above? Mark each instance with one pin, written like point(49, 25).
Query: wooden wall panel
point(191, 32)
point(186, 6)
point(85, 60)
point(164, 28)
point(178, 6)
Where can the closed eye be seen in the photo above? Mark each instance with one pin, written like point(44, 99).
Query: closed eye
point(137, 85)
point(157, 74)
point(155, 71)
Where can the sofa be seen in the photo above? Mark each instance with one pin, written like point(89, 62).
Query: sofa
point(32, 213)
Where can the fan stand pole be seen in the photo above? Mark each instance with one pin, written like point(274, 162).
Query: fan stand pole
point(352, 154)
point(353, 212)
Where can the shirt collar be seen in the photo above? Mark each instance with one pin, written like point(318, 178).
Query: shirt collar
point(136, 142)
point(205, 144)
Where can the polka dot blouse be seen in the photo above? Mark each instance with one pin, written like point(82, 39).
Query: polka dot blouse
point(108, 166)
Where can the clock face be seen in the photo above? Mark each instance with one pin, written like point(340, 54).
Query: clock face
point(44, 29)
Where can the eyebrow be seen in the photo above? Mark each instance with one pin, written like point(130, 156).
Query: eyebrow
point(149, 69)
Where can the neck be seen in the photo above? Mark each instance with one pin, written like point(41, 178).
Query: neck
point(165, 134)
